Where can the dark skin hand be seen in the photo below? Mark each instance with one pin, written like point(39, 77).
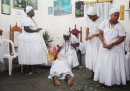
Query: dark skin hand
point(58, 50)
point(74, 45)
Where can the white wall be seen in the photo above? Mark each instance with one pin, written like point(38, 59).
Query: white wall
point(54, 24)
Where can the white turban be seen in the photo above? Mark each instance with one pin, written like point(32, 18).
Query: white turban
point(67, 33)
point(113, 10)
point(92, 11)
point(28, 8)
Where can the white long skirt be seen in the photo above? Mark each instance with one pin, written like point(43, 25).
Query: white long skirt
point(32, 49)
point(110, 68)
point(92, 49)
point(60, 68)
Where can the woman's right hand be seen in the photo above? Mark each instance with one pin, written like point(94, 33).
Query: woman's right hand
point(86, 38)
point(39, 29)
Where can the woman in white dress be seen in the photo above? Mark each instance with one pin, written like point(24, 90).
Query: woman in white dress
point(110, 69)
point(93, 41)
point(32, 48)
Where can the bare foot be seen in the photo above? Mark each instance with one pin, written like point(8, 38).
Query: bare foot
point(70, 80)
point(56, 81)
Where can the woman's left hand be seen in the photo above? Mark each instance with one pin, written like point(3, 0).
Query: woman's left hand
point(109, 46)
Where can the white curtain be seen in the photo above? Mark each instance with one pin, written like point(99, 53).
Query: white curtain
point(102, 9)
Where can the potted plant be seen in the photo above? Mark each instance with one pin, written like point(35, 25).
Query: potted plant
point(47, 38)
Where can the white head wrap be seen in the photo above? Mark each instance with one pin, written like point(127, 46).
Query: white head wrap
point(92, 11)
point(113, 10)
point(67, 33)
point(28, 8)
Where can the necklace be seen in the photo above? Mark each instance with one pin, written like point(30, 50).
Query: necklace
point(66, 46)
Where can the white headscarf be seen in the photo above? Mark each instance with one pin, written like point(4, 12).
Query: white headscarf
point(92, 11)
point(28, 8)
point(67, 33)
point(113, 10)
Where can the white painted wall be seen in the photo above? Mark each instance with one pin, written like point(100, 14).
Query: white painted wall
point(54, 24)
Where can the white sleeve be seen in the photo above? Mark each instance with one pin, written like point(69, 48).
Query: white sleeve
point(121, 30)
point(26, 22)
point(102, 26)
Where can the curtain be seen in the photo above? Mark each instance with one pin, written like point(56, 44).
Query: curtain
point(102, 9)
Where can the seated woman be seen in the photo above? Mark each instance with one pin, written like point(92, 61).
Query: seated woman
point(60, 70)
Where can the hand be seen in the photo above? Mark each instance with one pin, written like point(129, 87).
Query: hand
point(109, 46)
point(73, 45)
point(104, 45)
point(86, 38)
point(39, 29)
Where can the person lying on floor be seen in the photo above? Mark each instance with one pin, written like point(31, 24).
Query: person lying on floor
point(60, 70)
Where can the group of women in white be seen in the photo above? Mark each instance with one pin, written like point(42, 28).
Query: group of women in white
point(104, 50)
point(105, 54)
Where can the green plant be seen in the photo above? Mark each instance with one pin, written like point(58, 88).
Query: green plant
point(47, 38)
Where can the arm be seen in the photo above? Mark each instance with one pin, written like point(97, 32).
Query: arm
point(87, 33)
point(27, 29)
point(120, 40)
point(93, 35)
point(102, 38)
point(90, 37)
point(58, 50)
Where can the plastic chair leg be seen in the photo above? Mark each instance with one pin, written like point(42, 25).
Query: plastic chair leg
point(10, 66)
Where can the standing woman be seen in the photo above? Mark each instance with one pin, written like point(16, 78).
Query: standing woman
point(110, 69)
point(93, 41)
point(32, 48)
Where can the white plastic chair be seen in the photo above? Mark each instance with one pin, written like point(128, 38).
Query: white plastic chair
point(11, 54)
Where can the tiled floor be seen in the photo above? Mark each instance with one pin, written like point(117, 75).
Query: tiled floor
point(19, 82)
